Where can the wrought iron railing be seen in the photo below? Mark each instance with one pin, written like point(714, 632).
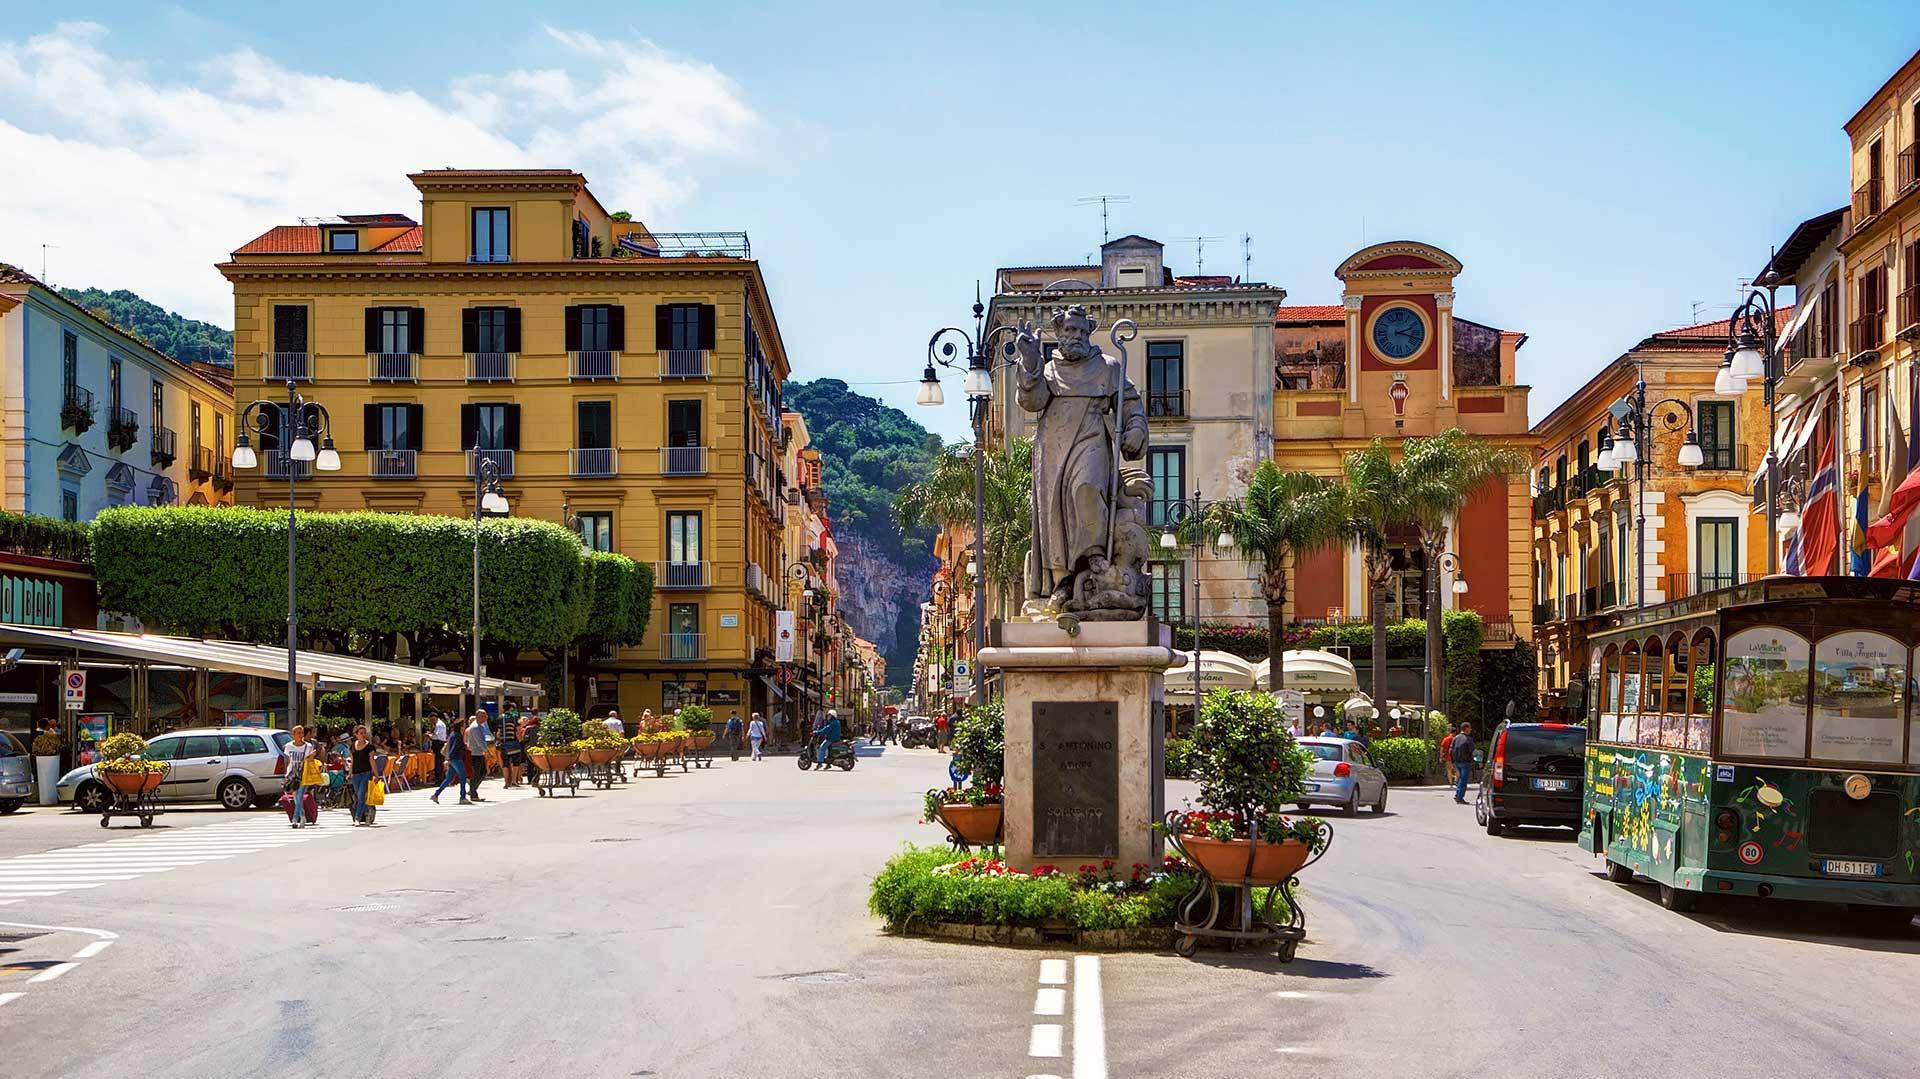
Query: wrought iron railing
point(678, 575)
point(595, 365)
point(596, 461)
point(683, 460)
point(1167, 404)
point(297, 366)
point(502, 462)
point(490, 366)
point(681, 647)
point(1867, 333)
point(683, 363)
point(163, 443)
point(392, 464)
point(392, 367)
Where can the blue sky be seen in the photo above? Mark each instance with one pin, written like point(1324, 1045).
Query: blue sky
point(1599, 171)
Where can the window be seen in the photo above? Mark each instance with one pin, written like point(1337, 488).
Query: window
point(1764, 710)
point(490, 235)
point(683, 325)
point(199, 747)
point(113, 383)
point(1627, 568)
point(194, 436)
point(395, 430)
point(1560, 471)
point(1167, 465)
point(1133, 276)
point(1870, 425)
point(490, 329)
point(241, 745)
point(396, 324)
point(1584, 457)
point(69, 365)
point(490, 428)
point(1717, 547)
point(1166, 378)
point(683, 423)
point(219, 433)
point(69, 504)
point(289, 328)
point(1858, 711)
point(596, 530)
point(164, 749)
point(683, 631)
point(1717, 433)
point(1168, 596)
point(593, 425)
point(683, 537)
point(594, 329)
point(159, 408)
point(343, 240)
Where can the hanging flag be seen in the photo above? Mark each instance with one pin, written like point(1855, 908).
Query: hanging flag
point(1819, 534)
point(1886, 563)
point(1860, 564)
point(1898, 523)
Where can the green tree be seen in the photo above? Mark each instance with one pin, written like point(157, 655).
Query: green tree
point(944, 499)
point(185, 339)
point(1283, 515)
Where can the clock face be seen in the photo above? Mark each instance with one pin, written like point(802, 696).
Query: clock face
point(1398, 333)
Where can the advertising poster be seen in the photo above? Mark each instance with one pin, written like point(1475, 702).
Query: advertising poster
point(1765, 710)
point(249, 719)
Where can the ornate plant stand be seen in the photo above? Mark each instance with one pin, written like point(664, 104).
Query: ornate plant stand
point(1247, 916)
point(973, 826)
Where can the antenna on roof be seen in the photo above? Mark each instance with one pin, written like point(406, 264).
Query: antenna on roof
point(1246, 256)
point(44, 248)
point(1696, 312)
point(1199, 250)
point(1103, 200)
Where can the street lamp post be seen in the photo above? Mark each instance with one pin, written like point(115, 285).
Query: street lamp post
point(1633, 444)
point(1436, 672)
point(798, 571)
point(1188, 514)
point(979, 390)
point(295, 424)
point(488, 499)
point(1753, 352)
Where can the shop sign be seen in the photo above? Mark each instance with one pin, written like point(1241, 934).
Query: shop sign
point(19, 698)
point(729, 621)
point(26, 601)
point(249, 719)
point(723, 696)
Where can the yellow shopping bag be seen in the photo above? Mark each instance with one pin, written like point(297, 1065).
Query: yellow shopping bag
point(314, 774)
point(376, 793)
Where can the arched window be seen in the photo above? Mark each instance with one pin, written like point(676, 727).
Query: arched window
point(1631, 682)
point(1609, 710)
point(1653, 695)
point(1700, 670)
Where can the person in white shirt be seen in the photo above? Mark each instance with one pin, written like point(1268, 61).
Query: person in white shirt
point(439, 747)
point(756, 734)
point(614, 724)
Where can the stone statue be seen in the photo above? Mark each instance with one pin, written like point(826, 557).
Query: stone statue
point(1086, 559)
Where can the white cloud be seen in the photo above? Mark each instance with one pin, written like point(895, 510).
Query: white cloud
point(145, 184)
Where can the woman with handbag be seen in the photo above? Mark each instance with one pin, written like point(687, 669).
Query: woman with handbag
point(455, 753)
point(300, 753)
point(360, 773)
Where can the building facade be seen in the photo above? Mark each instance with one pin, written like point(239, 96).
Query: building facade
point(92, 417)
point(623, 381)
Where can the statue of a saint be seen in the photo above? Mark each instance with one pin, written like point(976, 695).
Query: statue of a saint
point(1090, 417)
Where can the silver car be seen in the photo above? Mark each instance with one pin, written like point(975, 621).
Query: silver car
point(237, 767)
point(16, 774)
point(1343, 776)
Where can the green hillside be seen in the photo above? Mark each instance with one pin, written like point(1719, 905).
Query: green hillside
point(183, 338)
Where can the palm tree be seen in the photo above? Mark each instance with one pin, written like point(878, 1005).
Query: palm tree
point(1371, 503)
point(1442, 473)
point(1283, 515)
point(945, 500)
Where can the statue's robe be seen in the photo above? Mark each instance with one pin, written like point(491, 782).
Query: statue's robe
point(1073, 462)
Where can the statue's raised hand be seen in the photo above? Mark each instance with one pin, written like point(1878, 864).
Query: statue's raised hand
point(1026, 339)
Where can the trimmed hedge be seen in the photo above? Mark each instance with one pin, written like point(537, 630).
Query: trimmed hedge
point(44, 537)
point(1179, 758)
point(1400, 758)
point(622, 598)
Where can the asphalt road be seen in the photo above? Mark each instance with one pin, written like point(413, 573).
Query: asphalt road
point(714, 923)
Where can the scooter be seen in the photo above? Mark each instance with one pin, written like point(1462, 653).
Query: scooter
point(921, 733)
point(839, 753)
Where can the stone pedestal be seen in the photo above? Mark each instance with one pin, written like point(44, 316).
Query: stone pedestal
point(1085, 741)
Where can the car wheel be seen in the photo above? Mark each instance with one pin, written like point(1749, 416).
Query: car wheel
point(236, 794)
point(1380, 806)
point(1304, 807)
point(10, 806)
point(1480, 810)
point(1678, 900)
point(1493, 825)
point(91, 797)
point(1618, 873)
point(1352, 808)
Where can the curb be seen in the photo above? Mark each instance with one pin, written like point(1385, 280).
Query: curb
point(1021, 936)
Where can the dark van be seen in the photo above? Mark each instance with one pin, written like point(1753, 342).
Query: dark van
point(1533, 775)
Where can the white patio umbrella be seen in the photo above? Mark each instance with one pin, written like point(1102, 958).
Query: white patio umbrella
point(1310, 671)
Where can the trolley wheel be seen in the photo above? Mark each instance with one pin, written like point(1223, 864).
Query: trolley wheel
point(1618, 873)
point(146, 820)
point(1678, 900)
point(1184, 946)
point(104, 818)
point(1288, 948)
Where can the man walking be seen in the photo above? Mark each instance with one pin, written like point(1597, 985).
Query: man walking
point(477, 738)
point(1460, 754)
point(757, 734)
point(439, 747)
point(734, 730)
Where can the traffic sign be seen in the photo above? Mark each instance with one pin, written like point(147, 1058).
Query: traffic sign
point(74, 690)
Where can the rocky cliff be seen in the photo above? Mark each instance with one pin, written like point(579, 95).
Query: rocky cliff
point(869, 451)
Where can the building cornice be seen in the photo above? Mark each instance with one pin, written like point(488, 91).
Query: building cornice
point(691, 267)
point(1150, 307)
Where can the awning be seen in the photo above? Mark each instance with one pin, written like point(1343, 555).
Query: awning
point(1809, 420)
point(1310, 671)
point(1800, 317)
point(1218, 670)
point(773, 687)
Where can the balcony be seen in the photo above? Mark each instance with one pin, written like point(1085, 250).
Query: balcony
point(222, 470)
point(1905, 169)
point(1608, 598)
point(280, 466)
point(490, 366)
point(294, 366)
point(679, 575)
point(1867, 203)
point(1590, 600)
point(1866, 334)
point(162, 442)
point(123, 429)
point(683, 647)
point(1682, 585)
point(1907, 316)
point(502, 462)
point(594, 365)
point(597, 461)
point(1167, 405)
point(683, 363)
point(683, 460)
point(1543, 613)
point(1549, 501)
point(200, 465)
point(1724, 459)
point(392, 367)
point(76, 412)
point(392, 464)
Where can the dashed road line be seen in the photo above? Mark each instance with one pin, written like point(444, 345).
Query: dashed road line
point(1044, 1040)
point(1048, 1040)
point(8, 998)
point(51, 973)
point(1050, 1001)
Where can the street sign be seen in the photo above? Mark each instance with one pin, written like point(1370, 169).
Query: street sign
point(960, 669)
point(783, 637)
point(74, 690)
point(729, 621)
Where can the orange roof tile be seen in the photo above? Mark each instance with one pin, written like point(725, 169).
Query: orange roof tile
point(410, 240)
point(305, 240)
point(1325, 312)
point(1717, 328)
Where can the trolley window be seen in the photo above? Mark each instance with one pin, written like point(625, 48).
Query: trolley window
point(1765, 684)
point(1859, 706)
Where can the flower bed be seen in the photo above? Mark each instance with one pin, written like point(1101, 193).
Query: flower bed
point(928, 887)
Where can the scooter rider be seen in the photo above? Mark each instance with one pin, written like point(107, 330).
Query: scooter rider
point(826, 731)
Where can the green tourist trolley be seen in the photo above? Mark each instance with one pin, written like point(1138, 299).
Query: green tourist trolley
point(1760, 740)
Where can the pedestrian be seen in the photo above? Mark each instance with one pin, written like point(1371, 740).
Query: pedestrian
point(298, 752)
point(529, 729)
point(940, 732)
point(1446, 753)
point(453, 754)
point(513, 757)
point(733, 734)
point(439, 746)
point(360, 771)
point(615, 725)
point(478, 736)
point(1461, 754)
point(756, 734)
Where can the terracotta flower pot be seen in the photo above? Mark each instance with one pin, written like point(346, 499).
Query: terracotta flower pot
point(647, 751)
point(975, 825)
point(602, 755)
point(1225, 860)
point(131, 783)
point(700, 739)
point(549, 760)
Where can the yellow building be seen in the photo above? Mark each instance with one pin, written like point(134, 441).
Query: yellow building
point(1702, 530)
point(624, 380)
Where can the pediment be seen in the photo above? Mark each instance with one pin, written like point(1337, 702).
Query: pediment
point(1398, 257)
point(73, 460)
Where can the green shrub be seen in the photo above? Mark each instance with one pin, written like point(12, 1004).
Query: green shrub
point(1243, 756)
point(559, 727)
point(1179, 758)
point(1438, 726)
point(1703, 686)
point(1510, 674)
point(44, 537)
point(909, 892)
point(1461, 633)
point(695, 718)
point(979, 743)
point(1401, 758)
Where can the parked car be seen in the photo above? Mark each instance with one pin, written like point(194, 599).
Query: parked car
point(1534, 774)
point(237, 767)
point(16, 774)
point(1343, 776)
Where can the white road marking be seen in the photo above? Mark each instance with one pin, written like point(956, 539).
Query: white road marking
point(8, 998)
point(51, 973)
point(1044, 1040)
point(93, 949)
point(1089, 1020)
point(1296, 994)
point(1053, 972)
point(1050, 1002)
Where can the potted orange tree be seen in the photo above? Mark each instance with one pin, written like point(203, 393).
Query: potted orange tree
point(1248, 767)
point(972, 809)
